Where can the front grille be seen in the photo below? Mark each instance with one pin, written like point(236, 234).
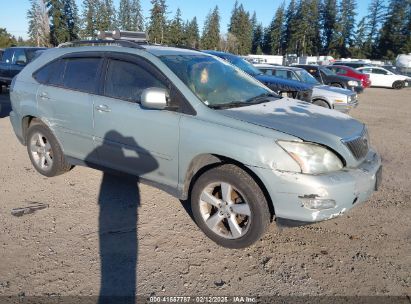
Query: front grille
point(359, 145)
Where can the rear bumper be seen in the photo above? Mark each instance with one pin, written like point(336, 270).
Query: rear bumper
point(347, 188)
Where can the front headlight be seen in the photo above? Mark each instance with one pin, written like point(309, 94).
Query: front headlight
point(312, 158)
point(353, 83)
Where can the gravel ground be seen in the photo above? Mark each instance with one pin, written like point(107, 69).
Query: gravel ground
point(57, 250)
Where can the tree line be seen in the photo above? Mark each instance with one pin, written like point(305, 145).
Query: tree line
point(301, 27)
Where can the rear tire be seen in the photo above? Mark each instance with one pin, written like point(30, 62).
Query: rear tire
point(229, 207)
point(322, 103)
point(398, 85)
point(45, 152)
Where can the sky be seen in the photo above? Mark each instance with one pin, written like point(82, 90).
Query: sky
point(13, 12)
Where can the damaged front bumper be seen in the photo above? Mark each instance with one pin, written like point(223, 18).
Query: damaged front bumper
point(299, 197)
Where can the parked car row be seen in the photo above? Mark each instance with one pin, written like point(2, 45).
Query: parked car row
point(197, 127)
point(385, 76)
point(325, 96)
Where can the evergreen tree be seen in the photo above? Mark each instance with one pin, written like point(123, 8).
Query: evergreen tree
point(124, 15)
point(105, 15)
point(191, 34)
point(176, 31)
point(258, 39)
point(290, 27)
point(137, 18)
point(211, 31)
point(277, 31)
point(157, 28)
point(39, 27)
point(58, 29)
point(71, 18)
point(359, 50)
point(241, 27)
point(406, 31)
point(376, 14)
point(89, 18)
point(345, 27)
point(329, 19)
point(6, 39)
point(394, 34)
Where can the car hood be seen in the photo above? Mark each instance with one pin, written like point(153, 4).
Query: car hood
point(341, 78)
point(335, 90)
point(303, 120)
point(283, 84)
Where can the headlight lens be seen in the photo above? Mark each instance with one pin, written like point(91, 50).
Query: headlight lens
point(312, 158)
point(353, 83)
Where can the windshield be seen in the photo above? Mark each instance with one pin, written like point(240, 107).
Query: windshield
point(327, 72)
point(245, 66)
point(216, 82)
point(306, 77)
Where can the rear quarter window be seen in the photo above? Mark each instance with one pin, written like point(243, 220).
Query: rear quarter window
point(51, 73)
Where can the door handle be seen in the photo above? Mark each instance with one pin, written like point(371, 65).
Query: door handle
point(103, 108)
point(44, 96)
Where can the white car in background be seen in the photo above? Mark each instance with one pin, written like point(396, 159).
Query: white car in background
point(381, 77)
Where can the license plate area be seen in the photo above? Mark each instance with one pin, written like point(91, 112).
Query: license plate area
point(378, 179)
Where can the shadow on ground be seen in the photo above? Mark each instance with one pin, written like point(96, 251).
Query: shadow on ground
point(119, 200)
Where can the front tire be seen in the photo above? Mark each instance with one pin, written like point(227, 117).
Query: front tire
point(398, 85)
point(229, 207)
point(322, 103)
point(337, 85)
point(45, 152)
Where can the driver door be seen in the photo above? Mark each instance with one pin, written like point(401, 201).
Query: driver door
point(129, 137)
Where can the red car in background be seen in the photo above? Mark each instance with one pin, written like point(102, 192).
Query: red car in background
point(350, 72)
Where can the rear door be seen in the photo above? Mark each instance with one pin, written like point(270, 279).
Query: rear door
point(65, 100)
point(129, 137)
point(380, 78)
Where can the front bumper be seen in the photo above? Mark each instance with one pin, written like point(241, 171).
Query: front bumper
point(348, 188)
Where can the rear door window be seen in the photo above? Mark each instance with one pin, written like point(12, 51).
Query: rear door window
point(81, 74)
point(126, 80)
point(379, 71)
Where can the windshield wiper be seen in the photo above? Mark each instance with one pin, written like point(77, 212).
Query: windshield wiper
point(261, 98)
point(229, 105)
point(251, 101)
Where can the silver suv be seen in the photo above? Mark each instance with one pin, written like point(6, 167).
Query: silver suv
point(196, 127)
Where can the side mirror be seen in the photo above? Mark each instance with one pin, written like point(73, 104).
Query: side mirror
point(21, 62)
point(154, 98)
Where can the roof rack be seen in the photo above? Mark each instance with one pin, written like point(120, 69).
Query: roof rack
point(121, 38)
point(123, 43)
point(141, 37)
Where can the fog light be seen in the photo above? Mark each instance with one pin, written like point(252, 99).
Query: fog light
point(317, 203)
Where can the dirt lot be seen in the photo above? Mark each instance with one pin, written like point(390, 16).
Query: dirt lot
point(57, 250)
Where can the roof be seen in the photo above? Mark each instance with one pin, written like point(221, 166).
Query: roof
point(275, 67)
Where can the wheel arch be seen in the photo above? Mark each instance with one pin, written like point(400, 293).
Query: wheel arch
point(204, 162)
